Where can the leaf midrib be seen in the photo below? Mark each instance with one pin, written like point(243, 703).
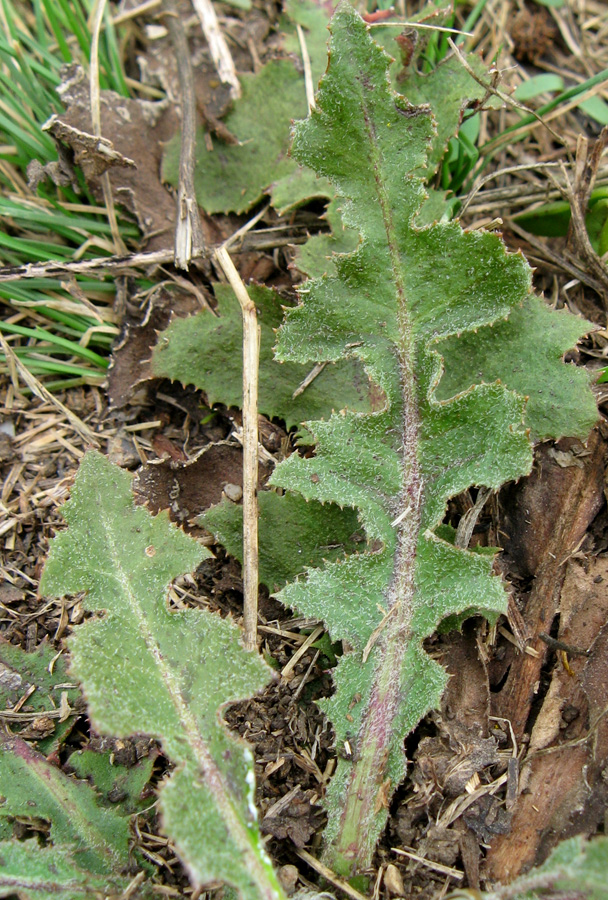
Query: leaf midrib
point(376, 736)
point(210, 771)
point(62, 796)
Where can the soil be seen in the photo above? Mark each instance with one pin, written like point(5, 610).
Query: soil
point(516, 758)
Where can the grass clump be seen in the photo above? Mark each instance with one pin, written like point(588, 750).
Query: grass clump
point(62, 331)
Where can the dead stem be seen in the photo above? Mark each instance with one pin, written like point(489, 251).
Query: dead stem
point(218, 48)
point(106, 185)
point(189, 241)
point(251, 353)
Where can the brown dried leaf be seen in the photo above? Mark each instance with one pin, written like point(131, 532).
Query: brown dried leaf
point(130, 366)
point(187, 489)
point(133, 134)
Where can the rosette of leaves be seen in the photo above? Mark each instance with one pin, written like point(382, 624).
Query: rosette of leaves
point(405, 293)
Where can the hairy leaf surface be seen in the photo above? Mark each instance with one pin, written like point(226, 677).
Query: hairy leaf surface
point(391, 303)
point(88, 845)
point(293, 535)
point(205, 350)
point(148, 670)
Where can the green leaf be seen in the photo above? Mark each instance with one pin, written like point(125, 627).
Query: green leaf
point(35, 789)
point(33, 873)
point(315, 257)
point(148, 670)
point(120, 786)
point(298, 188)
point(538, 84)
point(313, 18)
point(575, 866)
point(46, 672)
point(596, 221)
point(231, 178)
point(596, 109)
point(525, 352)
point(89, 844)
point(293, 536)
point(393, 303)
point(556, 4)
point(205, 350)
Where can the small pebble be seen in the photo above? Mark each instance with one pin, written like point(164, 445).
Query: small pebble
point(234, 492)
point(288, 876)
point(393, 882)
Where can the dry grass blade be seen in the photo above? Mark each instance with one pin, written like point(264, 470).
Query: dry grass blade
point(43, 394)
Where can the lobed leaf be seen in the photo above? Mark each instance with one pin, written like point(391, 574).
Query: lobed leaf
point(393, 303)
point(43, 671)
point(89, 844)
point(293, 535)
point(119, 786)
point(217, 369)
point(525, 352)
point(148, 670)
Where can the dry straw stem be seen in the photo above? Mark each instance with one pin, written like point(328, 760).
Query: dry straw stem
point(97, 19)
point(508, 170)
point(100, 264)
point(189, 241)
point(330, 876)
point(251, 357)
point(218, 48)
